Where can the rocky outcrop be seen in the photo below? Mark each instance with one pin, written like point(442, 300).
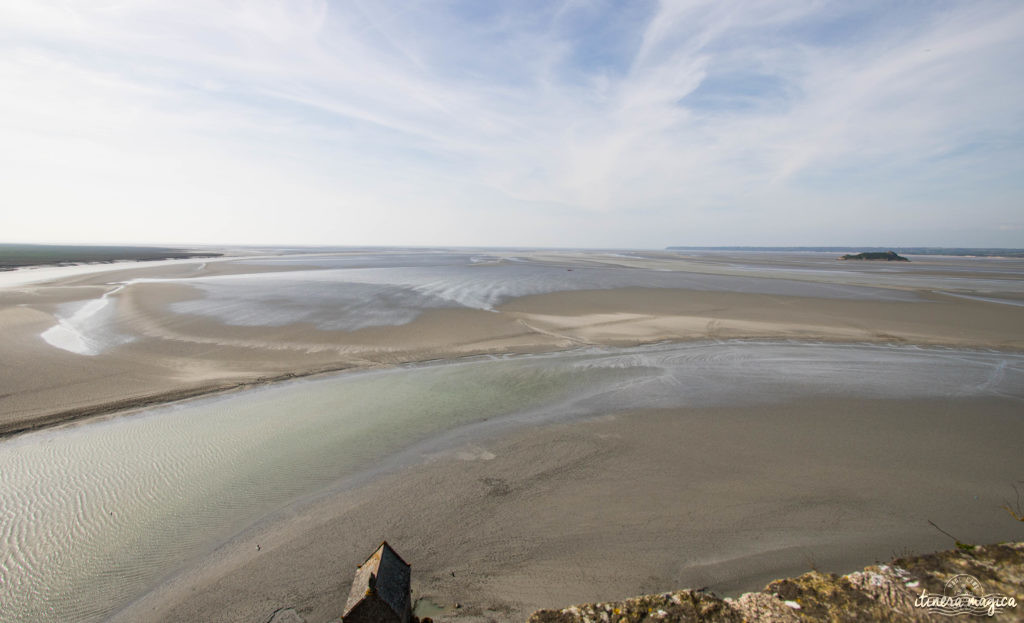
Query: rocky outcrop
point(888, 256)
point(895, 592)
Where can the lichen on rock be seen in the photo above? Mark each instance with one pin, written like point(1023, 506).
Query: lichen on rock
point(878, 593)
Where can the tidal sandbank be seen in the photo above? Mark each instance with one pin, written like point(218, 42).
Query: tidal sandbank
point(158, 337)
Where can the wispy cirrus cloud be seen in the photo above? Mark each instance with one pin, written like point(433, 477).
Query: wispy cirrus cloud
point(447, 122)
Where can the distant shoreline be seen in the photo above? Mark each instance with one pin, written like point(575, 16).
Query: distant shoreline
point(15, 256)
point(952, 251)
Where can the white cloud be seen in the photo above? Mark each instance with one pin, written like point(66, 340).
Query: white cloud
point(362, 123)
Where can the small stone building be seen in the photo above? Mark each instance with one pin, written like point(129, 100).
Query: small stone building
point(380, 591)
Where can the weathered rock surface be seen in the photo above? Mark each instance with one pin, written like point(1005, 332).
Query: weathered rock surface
point(878, 593)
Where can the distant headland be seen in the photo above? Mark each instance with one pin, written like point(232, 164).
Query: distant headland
point(20, 255)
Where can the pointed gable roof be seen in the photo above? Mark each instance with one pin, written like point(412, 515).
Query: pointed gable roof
point(383, 574)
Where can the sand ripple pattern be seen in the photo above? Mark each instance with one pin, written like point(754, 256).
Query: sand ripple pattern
point(344, 294)
point(349, 292)
point(94, 515)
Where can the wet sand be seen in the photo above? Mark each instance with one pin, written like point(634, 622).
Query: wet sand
point(171, 356)
point(725, 497)
point(728, 498)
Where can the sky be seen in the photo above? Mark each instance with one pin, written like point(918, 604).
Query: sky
point(633, 124)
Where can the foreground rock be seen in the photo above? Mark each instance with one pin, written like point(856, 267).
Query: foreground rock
point(878, 593)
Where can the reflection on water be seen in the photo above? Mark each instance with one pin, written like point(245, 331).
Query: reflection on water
point(358, 290)
point(349, 293)
point(93, 515)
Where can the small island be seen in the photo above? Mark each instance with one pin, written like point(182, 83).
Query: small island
point(888, 256)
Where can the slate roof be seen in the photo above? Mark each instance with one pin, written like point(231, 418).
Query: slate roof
point(386, 575)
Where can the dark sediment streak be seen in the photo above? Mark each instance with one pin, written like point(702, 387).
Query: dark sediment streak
point(151, 400)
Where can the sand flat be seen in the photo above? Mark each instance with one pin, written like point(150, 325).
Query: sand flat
point(551, 513)
point(723, 497)
point(169, 354)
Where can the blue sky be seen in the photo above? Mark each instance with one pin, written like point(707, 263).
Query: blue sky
point(474, 123)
